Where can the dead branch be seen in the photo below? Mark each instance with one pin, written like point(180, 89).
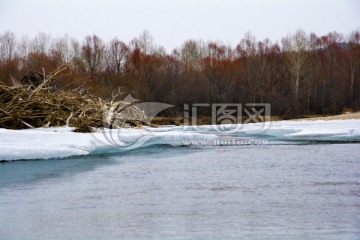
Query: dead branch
point(21, 107)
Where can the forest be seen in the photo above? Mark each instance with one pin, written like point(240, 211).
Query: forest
point(302, 74)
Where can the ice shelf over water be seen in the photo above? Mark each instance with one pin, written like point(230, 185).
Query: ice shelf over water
point(61, 142)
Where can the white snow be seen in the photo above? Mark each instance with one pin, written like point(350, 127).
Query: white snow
point(46, 143)
point(321, 130)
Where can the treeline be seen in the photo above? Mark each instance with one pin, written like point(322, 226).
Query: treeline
point(304, 74)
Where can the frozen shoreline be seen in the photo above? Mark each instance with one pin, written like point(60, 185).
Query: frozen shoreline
point(61, 142)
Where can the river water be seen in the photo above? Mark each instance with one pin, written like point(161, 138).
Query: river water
point(273, 191)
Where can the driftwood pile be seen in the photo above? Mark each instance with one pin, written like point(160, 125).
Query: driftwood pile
point(33, 103)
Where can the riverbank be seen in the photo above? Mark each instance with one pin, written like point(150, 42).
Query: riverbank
point(62, 142)
point(345, 116)
point(204, 120)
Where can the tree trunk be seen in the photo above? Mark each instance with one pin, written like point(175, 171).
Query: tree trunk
point(297, 90)
point(352, 77)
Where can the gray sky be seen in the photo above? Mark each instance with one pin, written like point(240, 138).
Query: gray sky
point(171, 22)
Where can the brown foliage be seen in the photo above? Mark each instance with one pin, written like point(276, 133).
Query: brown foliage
point(306, 74)
point(36, 104)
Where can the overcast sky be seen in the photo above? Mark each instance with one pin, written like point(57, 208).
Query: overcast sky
point(171, 22)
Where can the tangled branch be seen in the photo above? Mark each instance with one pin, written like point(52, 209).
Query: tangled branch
point(23, 107)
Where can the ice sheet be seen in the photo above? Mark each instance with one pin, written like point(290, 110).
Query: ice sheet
point(46, 143)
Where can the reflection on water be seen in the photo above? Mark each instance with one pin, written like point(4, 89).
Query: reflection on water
point(222, 192)
point(29, 171)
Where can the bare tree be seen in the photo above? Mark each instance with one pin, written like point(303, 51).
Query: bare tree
point(7, 46)
point(76, 49)
point(64, 47)
point(23, 47)
point(93, 53)
point(191, 55)
point(146, 43)
point(247, 51)
point(41, 43)
point(118, 52)
point(354, 58)
point(295, 47)
point(217, 69)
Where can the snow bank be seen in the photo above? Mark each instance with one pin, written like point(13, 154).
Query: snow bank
point(321, 130)
point(46, 143)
